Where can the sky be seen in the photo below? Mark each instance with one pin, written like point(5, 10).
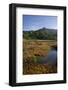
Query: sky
point(35, 22)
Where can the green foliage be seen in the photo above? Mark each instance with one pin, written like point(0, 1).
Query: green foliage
point(41, 34)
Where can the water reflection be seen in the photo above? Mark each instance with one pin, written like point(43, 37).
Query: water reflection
point(51, 58)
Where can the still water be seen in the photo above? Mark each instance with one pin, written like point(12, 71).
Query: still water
point(51, 58)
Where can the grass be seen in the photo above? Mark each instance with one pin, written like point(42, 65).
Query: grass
point(32, 52)
point(34, 68)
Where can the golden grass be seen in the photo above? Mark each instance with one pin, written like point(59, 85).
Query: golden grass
point(34, 68)
point(37, 48)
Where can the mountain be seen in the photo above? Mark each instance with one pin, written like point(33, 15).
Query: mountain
point(41, 34)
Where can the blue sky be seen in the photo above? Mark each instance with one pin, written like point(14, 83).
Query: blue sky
point(34, 22)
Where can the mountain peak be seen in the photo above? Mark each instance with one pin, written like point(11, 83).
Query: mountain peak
point(41, 34)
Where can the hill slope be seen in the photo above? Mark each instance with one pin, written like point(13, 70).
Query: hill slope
point(41, 34)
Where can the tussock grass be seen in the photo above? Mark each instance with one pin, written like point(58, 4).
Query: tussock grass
point(32, 49)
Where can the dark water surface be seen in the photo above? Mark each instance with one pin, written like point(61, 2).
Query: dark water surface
point(51, 58)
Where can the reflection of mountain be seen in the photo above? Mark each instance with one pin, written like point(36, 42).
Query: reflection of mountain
point(42, 34)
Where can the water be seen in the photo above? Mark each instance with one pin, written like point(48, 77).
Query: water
point(51, 58)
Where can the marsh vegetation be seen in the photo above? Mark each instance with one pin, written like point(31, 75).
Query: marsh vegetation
point(34, 54)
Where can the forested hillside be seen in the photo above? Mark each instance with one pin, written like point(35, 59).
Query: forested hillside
point(41, 34)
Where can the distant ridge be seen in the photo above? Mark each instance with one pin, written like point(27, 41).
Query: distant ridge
point(42, 34)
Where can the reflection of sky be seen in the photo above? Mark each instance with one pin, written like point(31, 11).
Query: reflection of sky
point(32, 22)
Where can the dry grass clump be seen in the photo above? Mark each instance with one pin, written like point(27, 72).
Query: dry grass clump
point(34, 68)
point(34, 49)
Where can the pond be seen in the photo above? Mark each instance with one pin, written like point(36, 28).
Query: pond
point(51, 58)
